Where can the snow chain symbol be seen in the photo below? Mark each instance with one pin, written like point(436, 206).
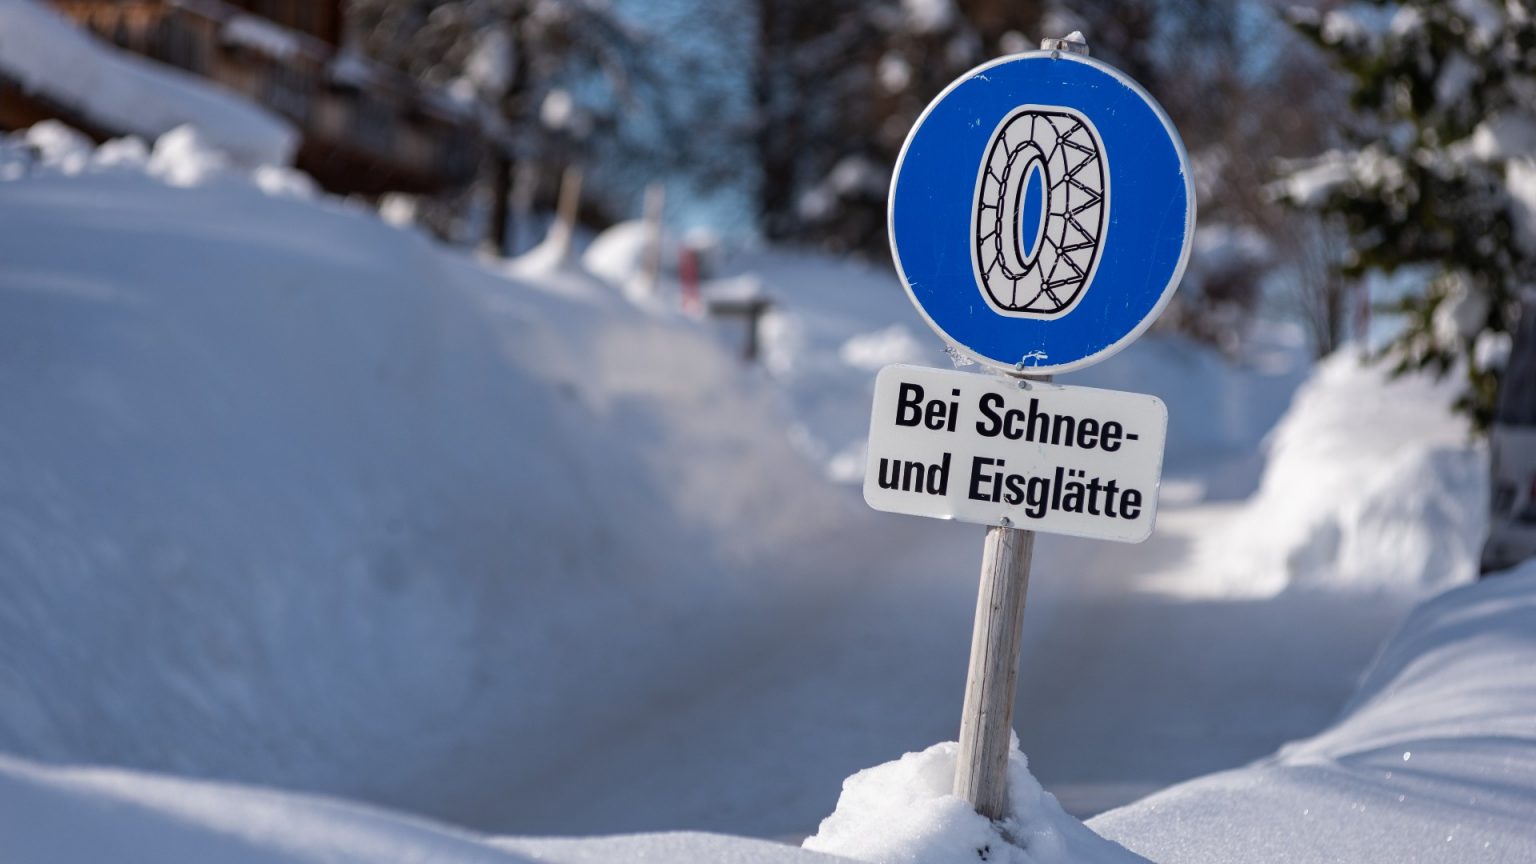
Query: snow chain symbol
point(1035, 258)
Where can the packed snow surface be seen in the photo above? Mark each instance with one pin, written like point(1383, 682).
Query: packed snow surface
point(120, 92)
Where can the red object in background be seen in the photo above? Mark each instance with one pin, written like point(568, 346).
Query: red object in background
point(688, 277)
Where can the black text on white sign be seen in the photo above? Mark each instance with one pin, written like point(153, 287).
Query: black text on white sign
point(977, 448)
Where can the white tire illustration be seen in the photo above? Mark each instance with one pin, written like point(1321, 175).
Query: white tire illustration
point(1045, 278)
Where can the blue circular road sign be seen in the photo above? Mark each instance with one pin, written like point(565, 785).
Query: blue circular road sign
point(1042, 212)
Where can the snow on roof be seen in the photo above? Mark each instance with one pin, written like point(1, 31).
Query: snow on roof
point(122, 93)
point(262, 35)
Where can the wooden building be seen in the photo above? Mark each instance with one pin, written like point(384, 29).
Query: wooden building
point(363, 129)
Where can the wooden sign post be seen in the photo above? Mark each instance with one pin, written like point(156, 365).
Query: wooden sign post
point(981, 772)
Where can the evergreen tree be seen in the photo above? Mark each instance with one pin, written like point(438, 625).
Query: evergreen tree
point(1440, 174)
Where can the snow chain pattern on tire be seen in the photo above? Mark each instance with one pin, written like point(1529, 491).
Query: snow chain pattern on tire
point(1051, 279)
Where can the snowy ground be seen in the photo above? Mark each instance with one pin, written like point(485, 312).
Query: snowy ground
point(292, 497)
point(1434, 760)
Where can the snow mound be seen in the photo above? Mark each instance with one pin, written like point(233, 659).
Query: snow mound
point(617, 254)
point(120, 92)
point(1372, 483)
point(1433, 760)
point(903, 812)
point(94, 814)
point(283, 489)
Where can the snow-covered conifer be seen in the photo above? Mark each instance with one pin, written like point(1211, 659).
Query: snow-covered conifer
point(1439, 180)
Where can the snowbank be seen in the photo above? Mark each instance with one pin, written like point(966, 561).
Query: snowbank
point(1433, 760)
point(1371, 484)
point(290, 496)
point(120, 92)
point(903, 812)
point(617, 255)
point(93, 814)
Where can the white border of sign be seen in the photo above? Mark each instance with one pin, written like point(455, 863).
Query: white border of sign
point(1189, 236)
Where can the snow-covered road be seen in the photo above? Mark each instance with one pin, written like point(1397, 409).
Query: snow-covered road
point(1123, 689)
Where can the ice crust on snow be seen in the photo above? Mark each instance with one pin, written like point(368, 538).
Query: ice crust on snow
point(119, 91)
point(904, 812)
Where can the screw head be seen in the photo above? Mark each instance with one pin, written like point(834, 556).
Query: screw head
point(1072, 43)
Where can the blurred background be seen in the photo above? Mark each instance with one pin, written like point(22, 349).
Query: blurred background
point(780, 121)
point(774, 122)
point(460, 404)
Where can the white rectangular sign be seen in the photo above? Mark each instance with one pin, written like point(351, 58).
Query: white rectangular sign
point(978, 448)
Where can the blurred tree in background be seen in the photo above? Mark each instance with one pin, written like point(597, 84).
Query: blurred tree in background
point(555, 83)
point(801, 108)
point(1439, 176)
